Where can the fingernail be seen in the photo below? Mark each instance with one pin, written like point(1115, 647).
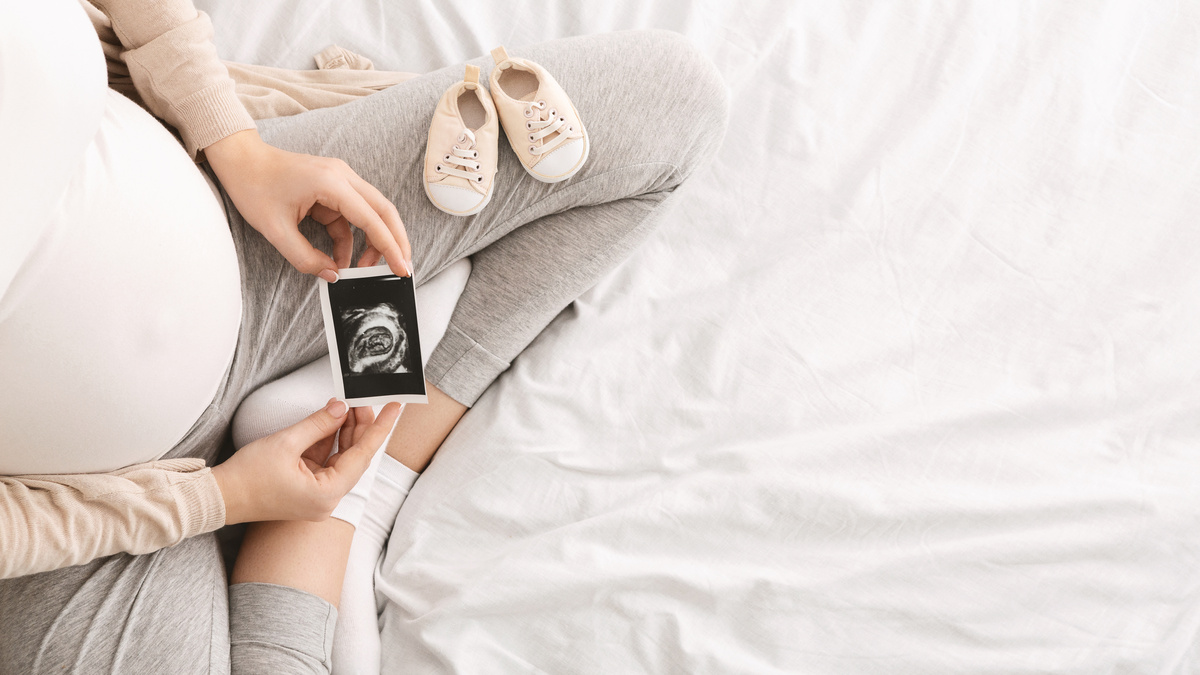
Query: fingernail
point(337, 408)
point(408, 266)
point(329, 275)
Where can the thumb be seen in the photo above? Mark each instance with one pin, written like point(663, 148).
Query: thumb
point(317, 426)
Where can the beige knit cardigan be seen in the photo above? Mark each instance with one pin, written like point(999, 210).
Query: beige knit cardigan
point(160, 53)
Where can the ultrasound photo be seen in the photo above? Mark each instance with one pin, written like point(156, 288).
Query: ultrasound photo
point(371, 327)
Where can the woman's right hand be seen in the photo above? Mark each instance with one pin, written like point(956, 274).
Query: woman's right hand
point(275, 189)
point(290, 475)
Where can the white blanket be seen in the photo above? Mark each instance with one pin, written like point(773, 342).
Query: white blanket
point(909, 384)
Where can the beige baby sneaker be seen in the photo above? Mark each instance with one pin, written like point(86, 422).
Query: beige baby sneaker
point(542, 125)
point(460, 157)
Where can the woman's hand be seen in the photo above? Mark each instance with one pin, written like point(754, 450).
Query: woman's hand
point(290, 474)
point(274, 190)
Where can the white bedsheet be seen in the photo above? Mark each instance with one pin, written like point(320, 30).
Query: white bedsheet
point(910, 384)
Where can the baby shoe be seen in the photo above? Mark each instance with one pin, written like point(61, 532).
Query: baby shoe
point(460, 157)
point(542, 125)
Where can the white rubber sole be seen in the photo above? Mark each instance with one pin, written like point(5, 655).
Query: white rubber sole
point(587, 148)
point(487, 198)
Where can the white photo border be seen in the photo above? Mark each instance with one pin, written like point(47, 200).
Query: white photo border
point(335, 361)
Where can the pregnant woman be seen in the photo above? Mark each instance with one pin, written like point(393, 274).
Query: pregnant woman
point(143, 297)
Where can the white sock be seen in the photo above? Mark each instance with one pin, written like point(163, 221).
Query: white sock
point(350, 508)
point(356, 643)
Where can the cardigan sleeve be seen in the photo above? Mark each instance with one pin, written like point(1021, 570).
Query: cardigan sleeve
point(49, 522)
point(167, 46)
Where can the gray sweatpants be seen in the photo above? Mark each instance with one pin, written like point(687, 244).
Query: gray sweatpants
point(655, 110)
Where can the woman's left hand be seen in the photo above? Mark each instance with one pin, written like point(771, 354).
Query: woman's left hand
point(291, 475)
point(275, 189)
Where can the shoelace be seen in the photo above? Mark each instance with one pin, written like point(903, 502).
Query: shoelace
point(541, 124)
point(462, 157)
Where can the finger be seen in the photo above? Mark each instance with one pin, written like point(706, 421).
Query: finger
point(316, 427)
point(318, 453)
point(346, 199)
point(339, 231)
point(300, 253)
point(352, 429)
point(323, 214)
point(345, 468)
point(343, 241)
point(346, 433)
point(392, 243)
point(366, 417)
point(370, 257)
point(387, 212)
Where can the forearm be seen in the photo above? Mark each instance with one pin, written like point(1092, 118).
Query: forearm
point(174, 66)
point(49, 522)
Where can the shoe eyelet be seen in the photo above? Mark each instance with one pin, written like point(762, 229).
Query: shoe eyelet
point(479, 179)
point(531, 138)
point(438, 168)
point(562, 119)
point(528, 112)
point(542, 104)
point(533, 149)
point(474, 154)
point(553, 112)
point(529, 125)
point(446, 158)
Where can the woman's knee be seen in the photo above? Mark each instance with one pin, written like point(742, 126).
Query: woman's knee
point(646, 97)
point(699, 100)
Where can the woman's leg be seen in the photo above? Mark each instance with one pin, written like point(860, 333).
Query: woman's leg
point(422, 428)
point(165, 612)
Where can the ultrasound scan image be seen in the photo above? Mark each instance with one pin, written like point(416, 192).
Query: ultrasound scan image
point(371, 328)
point(376, 342)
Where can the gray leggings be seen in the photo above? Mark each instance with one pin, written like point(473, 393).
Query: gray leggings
point(655, 110)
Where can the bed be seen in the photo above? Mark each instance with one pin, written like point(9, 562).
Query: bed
point(908, 383)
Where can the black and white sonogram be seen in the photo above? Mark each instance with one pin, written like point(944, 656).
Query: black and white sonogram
point(371, 328)
point(376, 342)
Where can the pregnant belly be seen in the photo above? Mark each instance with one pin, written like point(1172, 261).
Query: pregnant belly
point(117, 333)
